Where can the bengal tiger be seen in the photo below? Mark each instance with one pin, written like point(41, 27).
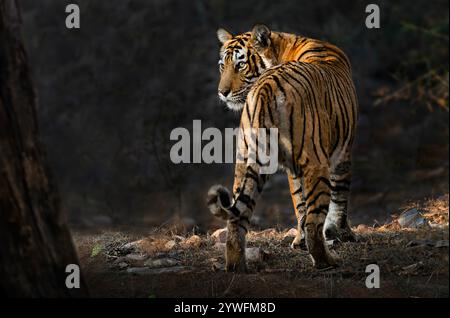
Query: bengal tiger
point(304, 88)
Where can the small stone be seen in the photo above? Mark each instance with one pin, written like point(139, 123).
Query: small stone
point(170, 244)
point(413, 243)
point(266, 233)
point(220, 235)
point(364, 228)
point(136, 257)
point(162, 262)
point(157, 271)
point(411, 219)
point(441, 243)
point(254, 254)
point(138, 270)
point(411, 269)
point(216, 265)
point(220, 246)
point(129, 247)
point(291, 233)
point(170, 270)
point(193, 241)
point(120, 263)
point(123, 265)
point(438, 226)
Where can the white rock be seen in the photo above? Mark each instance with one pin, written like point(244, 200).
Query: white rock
point(136, 257)
point(132, 246)
point(170, 244)
point(156, 271)
point(254, 254)
point(441, 243)
point(266, 233)
point(162, 262)
point(412, 219)
point(220, 246)
point(291, 233)
point(220, 235)
point(363, 228)
point(138, 270)
point(193, 241)
point(122, 265)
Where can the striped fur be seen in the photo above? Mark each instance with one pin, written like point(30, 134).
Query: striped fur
point(304, 88)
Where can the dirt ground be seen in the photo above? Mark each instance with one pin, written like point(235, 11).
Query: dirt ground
point(413, 262)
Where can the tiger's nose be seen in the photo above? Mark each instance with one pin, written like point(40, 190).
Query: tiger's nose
point(224, 92)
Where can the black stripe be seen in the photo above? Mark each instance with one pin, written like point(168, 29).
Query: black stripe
point(291, 133)
point(317, 197)
point(347, 182)
point(278, 83)
point(299, 205)
point(320, 209)
point(317, 50)
point(321, 179)
point(339, 201)
point(247, 200)
point(297, 191)
point(251, 176)
point(234, 210)
point(339, 188)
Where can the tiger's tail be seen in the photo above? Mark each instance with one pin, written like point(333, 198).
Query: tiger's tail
point(219, 202)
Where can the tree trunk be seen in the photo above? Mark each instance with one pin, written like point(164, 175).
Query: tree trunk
point(35, 243)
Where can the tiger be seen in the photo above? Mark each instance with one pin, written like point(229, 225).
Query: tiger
point(304, 88)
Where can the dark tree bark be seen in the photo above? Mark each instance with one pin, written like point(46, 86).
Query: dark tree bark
point(35, 243)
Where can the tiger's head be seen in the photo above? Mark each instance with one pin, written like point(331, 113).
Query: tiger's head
point(242, 60)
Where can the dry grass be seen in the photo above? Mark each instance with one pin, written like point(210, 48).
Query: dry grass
point(408, 258)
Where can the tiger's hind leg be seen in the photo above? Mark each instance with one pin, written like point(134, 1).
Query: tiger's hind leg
point(336, 225)
point(295, 186)
point(317, 199)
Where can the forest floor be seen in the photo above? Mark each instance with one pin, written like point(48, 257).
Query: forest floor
point(413, 262)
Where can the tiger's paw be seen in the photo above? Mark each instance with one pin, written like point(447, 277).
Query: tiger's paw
point(340, 234)
point(299, 243)
point(235, 261)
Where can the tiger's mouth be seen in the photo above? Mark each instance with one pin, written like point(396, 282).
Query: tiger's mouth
point(235, 106)
point(234, 102)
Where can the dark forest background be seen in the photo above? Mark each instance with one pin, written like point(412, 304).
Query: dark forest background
point(111, 92)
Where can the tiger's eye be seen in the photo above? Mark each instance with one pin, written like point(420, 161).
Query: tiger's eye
point(240, 65)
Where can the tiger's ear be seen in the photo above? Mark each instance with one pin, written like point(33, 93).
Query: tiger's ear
point(261, 36)
point(223, 35)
